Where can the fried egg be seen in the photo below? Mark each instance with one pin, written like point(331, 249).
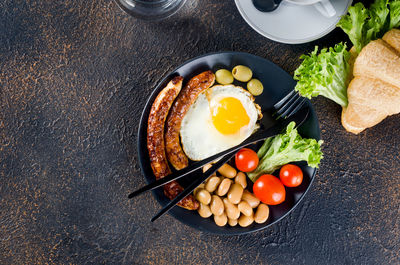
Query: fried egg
point(221, 117)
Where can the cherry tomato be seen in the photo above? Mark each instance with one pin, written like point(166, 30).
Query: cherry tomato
point(291, 175)
point(246, 160)
point(269, 189)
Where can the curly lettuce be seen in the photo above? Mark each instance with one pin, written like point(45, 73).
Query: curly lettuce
point(363, 25)
point(394, 7)
point(286, 148)
point(325, 73)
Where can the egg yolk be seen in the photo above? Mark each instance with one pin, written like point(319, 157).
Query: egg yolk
point(229, 115)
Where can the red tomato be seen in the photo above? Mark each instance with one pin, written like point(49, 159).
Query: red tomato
point(291, 175)
point(246, 160)
point(269, 189)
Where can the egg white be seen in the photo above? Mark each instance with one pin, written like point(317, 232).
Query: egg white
point(199, 137)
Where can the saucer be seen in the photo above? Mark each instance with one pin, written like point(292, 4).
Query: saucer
point(291, 23)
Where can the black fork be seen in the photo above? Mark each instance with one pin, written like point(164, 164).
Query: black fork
point(289, 105)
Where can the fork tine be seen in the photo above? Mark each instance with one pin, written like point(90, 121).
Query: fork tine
point(284, 99)
point(288, 102)
point(299, 105)
point(288, 105)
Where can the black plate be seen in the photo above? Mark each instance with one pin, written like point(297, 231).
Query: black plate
point(277, 83)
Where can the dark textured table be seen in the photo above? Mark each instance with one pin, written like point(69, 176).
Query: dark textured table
point(74, 77)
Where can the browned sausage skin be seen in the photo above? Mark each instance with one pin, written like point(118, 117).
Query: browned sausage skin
point(155, 141)
point(172, 189)
point(155, 127)
point(186, 98)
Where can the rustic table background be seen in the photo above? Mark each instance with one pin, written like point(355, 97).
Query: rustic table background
point(74, 77)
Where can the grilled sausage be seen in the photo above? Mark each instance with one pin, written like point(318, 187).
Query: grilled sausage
point(186, 98)
point(172, 189)
point(155, 141)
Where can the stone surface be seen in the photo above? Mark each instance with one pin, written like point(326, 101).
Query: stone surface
point(74, 77)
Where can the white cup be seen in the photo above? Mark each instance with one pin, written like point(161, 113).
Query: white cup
point(323, 6)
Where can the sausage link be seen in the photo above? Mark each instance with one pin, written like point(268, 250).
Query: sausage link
point(186, 98)
point(155, 141)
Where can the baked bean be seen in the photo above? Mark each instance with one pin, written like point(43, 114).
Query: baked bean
point(231, 210)
point(216, 205)
point(235, 193)
point(224, 187)
point(245, 208)
point(232, 222)
point(201, 186)
point(227, 171)
point(203, 196)
point(220, 220)
point(245, 221)
point(204, 211)
point(207, 167)
point(250, 199)
point(261, 214)
point(212, 183)
point(241, 179)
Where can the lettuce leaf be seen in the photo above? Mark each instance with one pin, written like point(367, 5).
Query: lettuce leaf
point(353, 24)
point(394, 7)
point(378, 23)
point(363, 25)
point(326, 74)
point(286, 148)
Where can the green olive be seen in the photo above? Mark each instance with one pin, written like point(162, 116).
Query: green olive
point(255, 87)
point(223, 77)
point(242, 73)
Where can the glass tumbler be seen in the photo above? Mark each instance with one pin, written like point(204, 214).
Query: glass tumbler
point(151, 9)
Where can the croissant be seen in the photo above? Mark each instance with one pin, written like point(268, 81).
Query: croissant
point(374, 92)
point(393, 38)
